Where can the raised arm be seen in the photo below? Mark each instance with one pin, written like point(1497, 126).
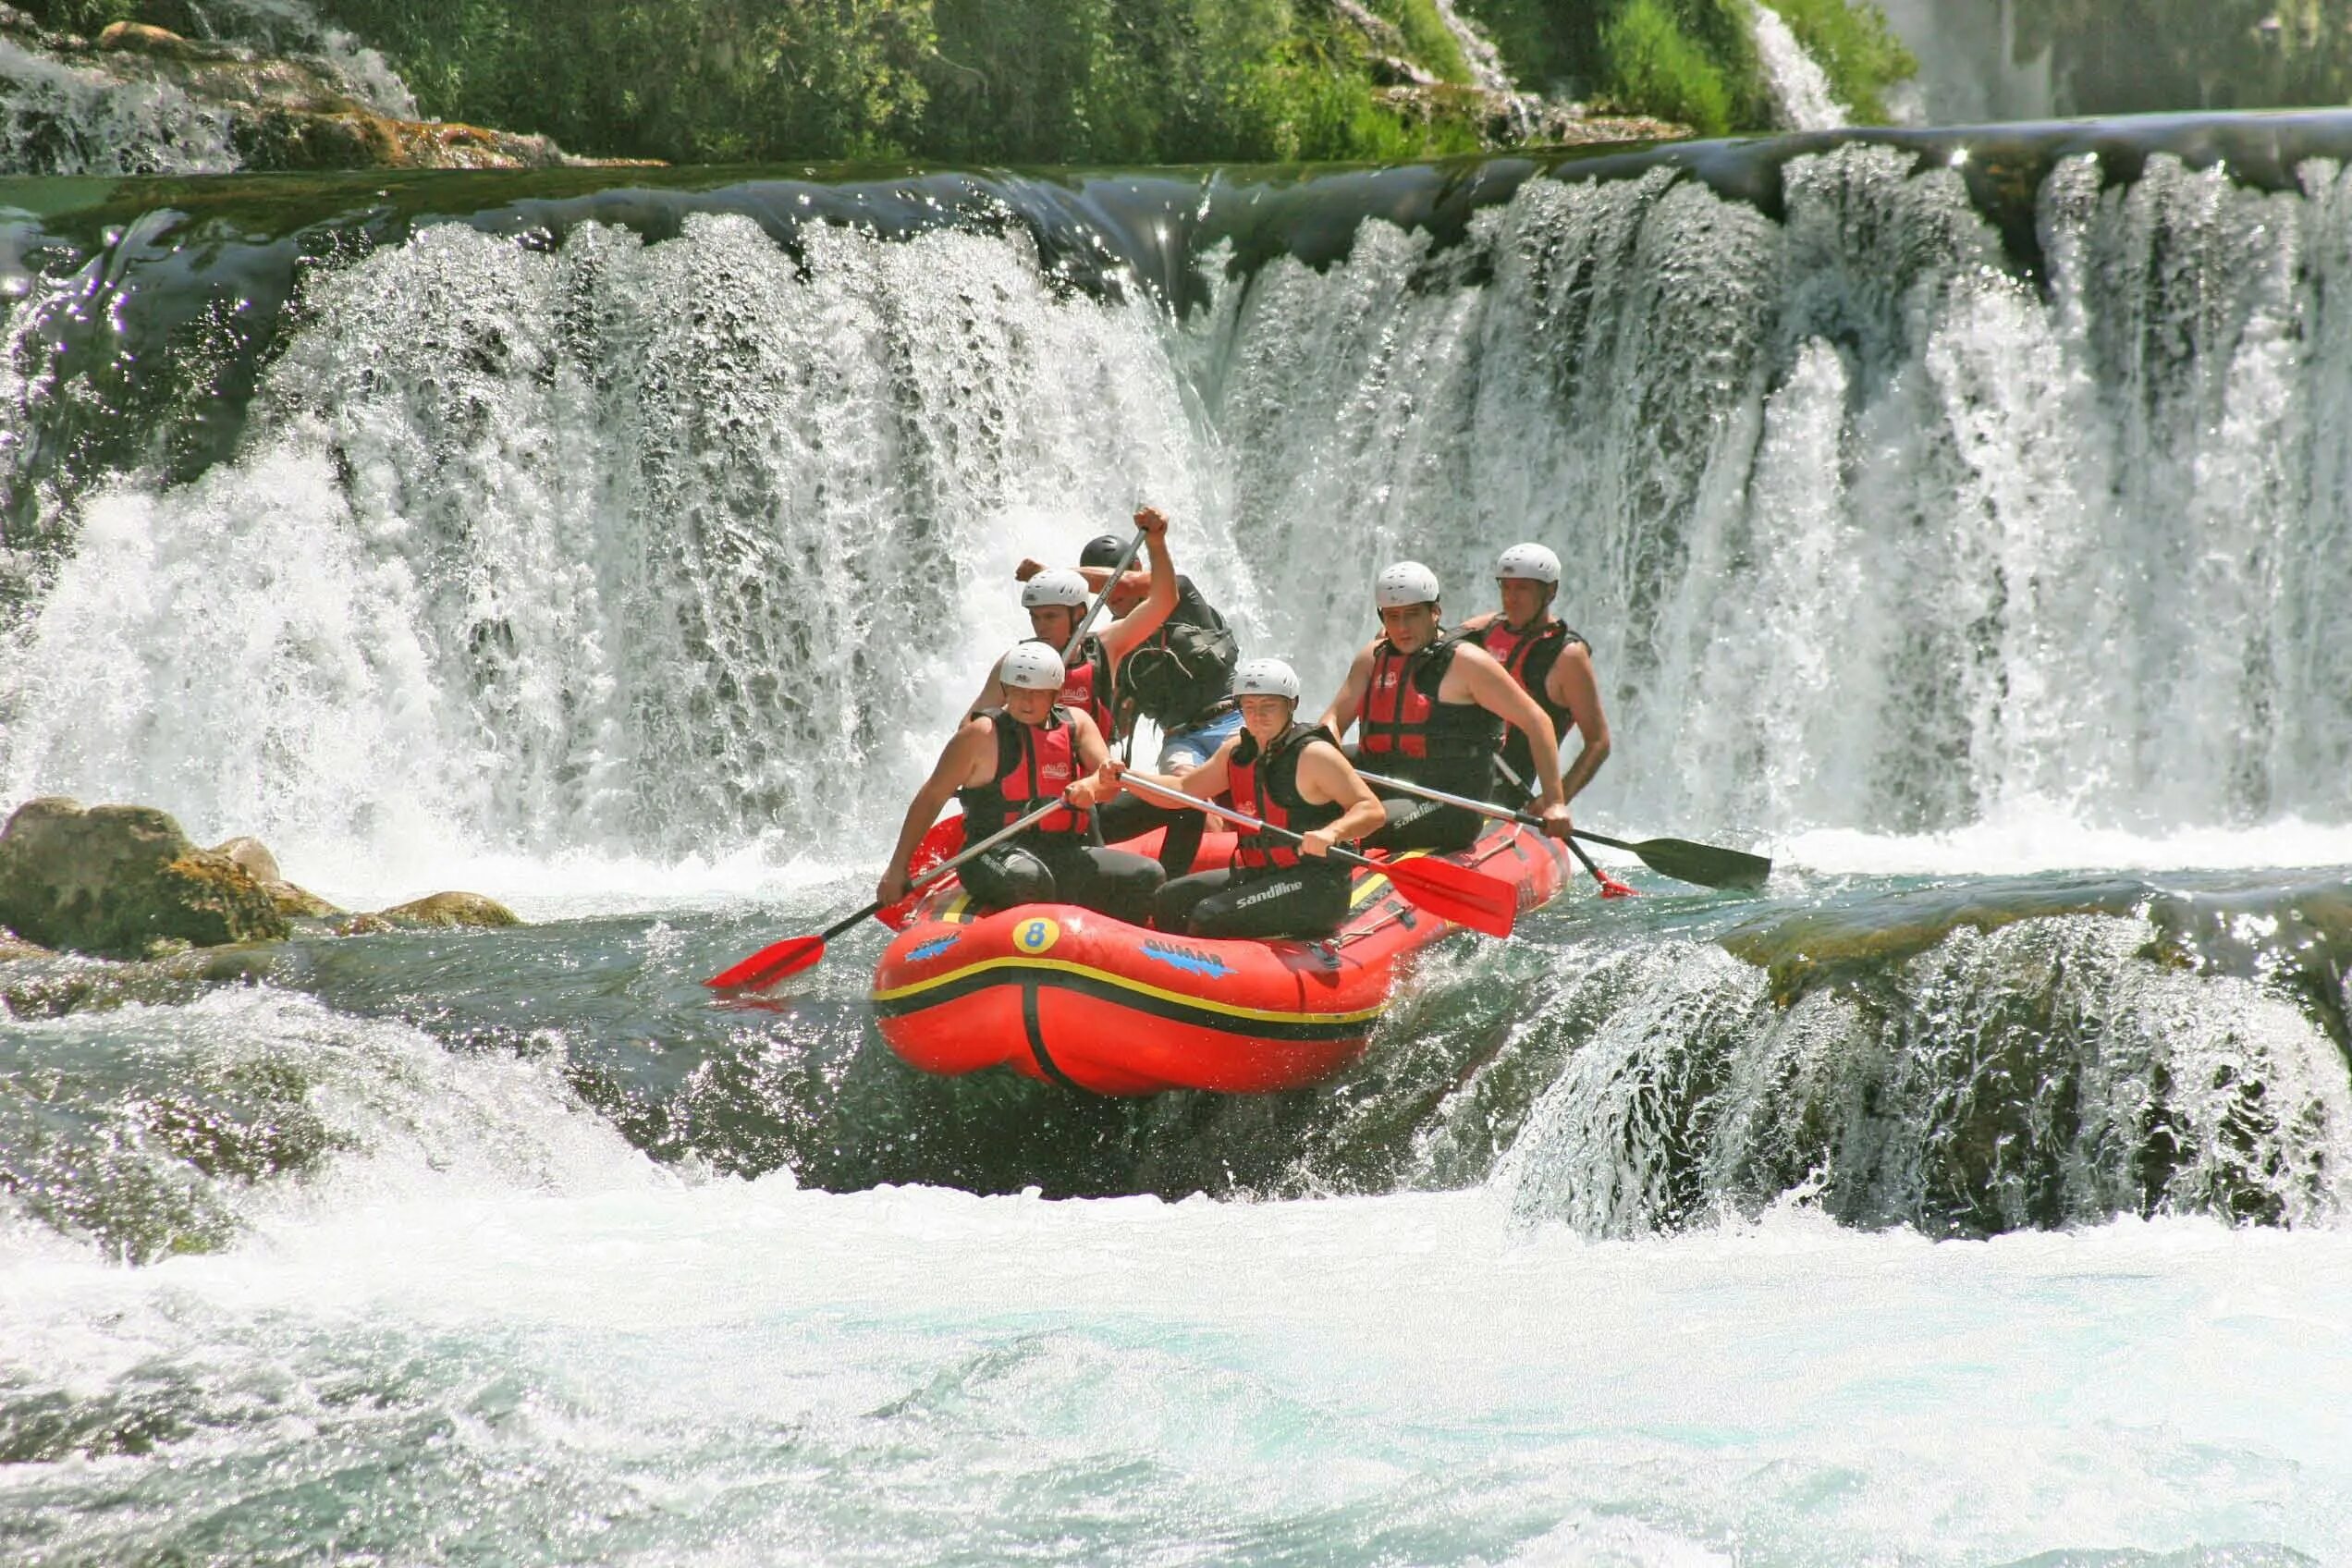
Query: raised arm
point(1126, 634)
point(1573, 685)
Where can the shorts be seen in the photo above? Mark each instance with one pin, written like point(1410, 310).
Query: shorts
point(1189, 748)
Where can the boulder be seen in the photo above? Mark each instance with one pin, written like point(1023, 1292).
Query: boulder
point(294, 903)
point(13, 946)
point(449, 911)
point(116, 880)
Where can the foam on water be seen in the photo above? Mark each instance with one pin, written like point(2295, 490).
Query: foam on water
point(742, 1373)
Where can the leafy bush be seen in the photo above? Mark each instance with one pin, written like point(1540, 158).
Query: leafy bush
point(1655, 65)
point(1854, 45)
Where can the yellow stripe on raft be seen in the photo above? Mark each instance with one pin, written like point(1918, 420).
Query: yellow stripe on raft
point(1183, 998)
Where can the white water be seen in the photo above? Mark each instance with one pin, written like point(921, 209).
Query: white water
point(62, 119)
point(1801, 91)
point(735, 1373)
point(1970, 72)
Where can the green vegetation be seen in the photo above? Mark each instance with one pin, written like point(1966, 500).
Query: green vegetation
point(1653, 62)
point(1054, 81)
point(1855, 46)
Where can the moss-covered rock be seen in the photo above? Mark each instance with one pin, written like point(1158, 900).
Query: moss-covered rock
point(114, 879)
point(450, 911)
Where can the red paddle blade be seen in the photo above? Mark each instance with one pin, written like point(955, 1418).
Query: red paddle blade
point(1456, 893)
point(1613, 889)
point(769, 965)
point(944, 840)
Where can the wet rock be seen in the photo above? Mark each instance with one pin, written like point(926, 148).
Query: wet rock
point(14, 946)
point(449, 911)
point(138, 38)
point(279, 113)
point(294, 903)
point(1520, 119)
point(111, 880)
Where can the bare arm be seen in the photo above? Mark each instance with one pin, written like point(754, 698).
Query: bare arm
point(1205, 782)
point(1349, 703)
point(1494, 689)
point(1087, 747)
point(1127, 634)
point(965, 756)
point(1573, 685)
point(1325, 778)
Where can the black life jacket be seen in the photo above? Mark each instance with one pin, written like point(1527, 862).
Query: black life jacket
point(1183, 673)
point(1266, 787)
point(1405, 728)
point(1529, 657)
point(1035, 762)
point(1086, 686)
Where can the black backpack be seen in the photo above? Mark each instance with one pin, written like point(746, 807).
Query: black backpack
point(1184, 669)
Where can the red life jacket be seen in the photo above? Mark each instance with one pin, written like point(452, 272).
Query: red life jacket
point(1086, 686)
point(1529, 657)
point(1402, 717)
point(1035, 762)
point(1266, 786)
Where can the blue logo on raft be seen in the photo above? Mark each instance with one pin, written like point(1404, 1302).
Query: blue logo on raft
point(933, 948)
point(1192, 961)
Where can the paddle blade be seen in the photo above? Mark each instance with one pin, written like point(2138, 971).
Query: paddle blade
point(1703, 865)
point(942, 842)
point(1610, 888)
point(769, 965)
point(1457, 893)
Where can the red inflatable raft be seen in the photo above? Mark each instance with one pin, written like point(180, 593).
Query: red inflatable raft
point(1079, 998)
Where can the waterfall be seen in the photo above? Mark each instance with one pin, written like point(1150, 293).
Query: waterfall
point(1969, 72)
point(62, 119)
point(1801, 92)
point(578, 540)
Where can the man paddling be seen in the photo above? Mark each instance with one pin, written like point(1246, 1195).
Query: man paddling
point(1056, 598)
point(1549, 658)
point(1288, 774)
point(1000, 763)
point(1431, 709)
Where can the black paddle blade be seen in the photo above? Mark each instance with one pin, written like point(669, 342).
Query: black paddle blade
point(1703, 865)
point(769, 965)
point(1456, 893)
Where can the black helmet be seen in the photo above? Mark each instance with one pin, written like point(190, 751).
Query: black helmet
point(1103, 549)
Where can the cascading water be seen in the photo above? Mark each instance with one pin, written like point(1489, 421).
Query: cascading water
point(63, 119)
point(1954, 514)
point(1801, 90)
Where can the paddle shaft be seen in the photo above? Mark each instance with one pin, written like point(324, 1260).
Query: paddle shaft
point(1484, 808)
point(1078, 633)
point(969, 853)
point(1177, 797)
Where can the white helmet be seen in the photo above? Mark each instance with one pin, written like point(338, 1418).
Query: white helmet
point(1407, 582)
point(1032, 667)
point(1266, 678)
point(1059, 585)
point(1531, 561)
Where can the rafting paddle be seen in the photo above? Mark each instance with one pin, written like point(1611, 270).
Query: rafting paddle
point(1702, 865)
point(1451, 892)
point(1078, 633)
point(791, 955)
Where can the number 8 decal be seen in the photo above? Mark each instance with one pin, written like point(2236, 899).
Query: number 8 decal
point(1035, 936)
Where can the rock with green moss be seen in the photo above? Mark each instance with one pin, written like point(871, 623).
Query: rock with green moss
point(114, 881)
point(450, 911)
